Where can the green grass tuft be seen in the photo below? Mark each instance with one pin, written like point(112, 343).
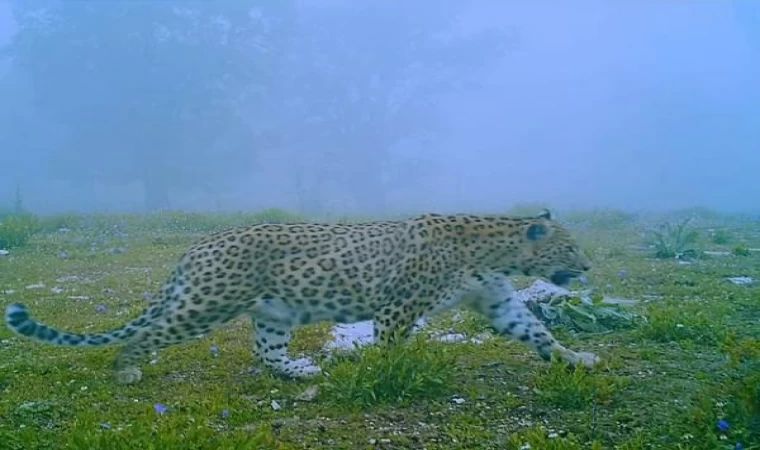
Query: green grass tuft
point(399, 375)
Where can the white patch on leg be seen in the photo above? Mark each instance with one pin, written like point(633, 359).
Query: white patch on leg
point(301, 368)
point(586, 359)
point(129, 375)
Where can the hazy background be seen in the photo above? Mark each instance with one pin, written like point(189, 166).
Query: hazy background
point(379, 106)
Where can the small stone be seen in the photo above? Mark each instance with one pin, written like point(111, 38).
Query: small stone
point(309, 394)
point(68, 278)
point(275, 406)
point(740, 281)
point(458, 400)
point(63, 255)
point(452, 338)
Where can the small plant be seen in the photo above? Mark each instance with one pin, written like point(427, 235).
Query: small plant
point(575, 388)
point(740, 351)
point(668, 323)
point(674, 241)
point(17, 229)
point(740, 250)
point(721, 237)
point(394, 374)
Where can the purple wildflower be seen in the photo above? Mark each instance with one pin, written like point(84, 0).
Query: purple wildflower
point(723, 425)
point(214, 350)
point(739, 446)
point(101, 308)
point(160, 408)
point(225, 413)
point(622, 273)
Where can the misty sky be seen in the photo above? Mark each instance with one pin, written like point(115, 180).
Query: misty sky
point(636, 105)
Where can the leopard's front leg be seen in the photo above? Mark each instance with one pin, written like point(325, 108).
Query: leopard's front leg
point(511, 317)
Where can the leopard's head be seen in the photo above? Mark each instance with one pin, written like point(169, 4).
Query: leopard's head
point(550, 251)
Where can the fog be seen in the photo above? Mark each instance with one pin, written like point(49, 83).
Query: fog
point(379, 106)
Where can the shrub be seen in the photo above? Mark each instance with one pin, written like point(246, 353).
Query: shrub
point(395, 374)
point(740, 250)
point(17, 229)
point(674, 241)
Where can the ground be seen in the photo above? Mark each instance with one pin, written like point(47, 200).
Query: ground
point(686, 378)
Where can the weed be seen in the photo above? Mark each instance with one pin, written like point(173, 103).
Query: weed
point(674, 241)
point(721, 237)
point(741, 250)
point(678, 323)
point(397, 374)
point(574, 388)
point(17, 229)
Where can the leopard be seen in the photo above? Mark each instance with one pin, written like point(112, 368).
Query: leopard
point(393, 272)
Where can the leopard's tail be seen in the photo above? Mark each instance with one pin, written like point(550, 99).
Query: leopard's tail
point(17, 319)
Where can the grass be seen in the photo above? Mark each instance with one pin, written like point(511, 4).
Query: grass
point(666, 382)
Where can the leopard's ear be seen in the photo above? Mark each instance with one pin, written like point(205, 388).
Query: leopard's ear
point(545, 214)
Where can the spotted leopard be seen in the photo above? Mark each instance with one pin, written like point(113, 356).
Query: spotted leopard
point(394, 272)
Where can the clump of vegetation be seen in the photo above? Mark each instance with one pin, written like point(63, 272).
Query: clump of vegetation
point(681, 323)
point(740, 250)
point(674, 241)
point(721, 237)
point(396, 374)
point(574, 388)
point(16, 229)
